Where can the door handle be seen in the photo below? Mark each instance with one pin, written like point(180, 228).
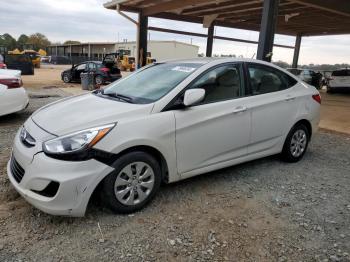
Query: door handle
point(240, 109)
point(289, 98)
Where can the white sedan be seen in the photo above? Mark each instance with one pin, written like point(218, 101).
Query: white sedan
point(164, 123)
point(13, 97)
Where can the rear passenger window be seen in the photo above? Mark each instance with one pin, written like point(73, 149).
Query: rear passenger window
point(344, 72)
point(264, 79)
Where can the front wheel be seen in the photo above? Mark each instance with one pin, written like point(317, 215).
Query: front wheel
point(134, 182)
point(296, 144)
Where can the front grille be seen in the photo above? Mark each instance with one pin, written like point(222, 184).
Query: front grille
point(16, 170)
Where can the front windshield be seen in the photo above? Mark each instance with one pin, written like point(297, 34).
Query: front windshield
point(152, 83)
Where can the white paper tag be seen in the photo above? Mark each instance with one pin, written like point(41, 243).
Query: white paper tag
point(183, 69)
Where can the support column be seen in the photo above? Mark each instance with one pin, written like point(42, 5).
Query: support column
point(296, 51)
point(210, 40)
point(267, 30)
point(142, 32)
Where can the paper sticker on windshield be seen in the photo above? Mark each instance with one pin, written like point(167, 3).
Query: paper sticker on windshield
point(183, 69)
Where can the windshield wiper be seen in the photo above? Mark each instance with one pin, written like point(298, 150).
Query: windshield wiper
point(124, 98)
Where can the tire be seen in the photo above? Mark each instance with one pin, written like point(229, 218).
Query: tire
point(329, 90)
point(120, 189)
point(66, 78)
point(296, 144)
point(99, 80)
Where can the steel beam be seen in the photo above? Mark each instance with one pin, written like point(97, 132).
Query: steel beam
point(171, 31)
point(296, 51)
point(267, 30)
point(210, 40)
point(142, 33)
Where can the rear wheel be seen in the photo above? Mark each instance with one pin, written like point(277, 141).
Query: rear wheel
point(296, 143)
point(135, 181)
point(66, 78)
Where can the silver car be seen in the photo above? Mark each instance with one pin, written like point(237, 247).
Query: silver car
point(340, 80)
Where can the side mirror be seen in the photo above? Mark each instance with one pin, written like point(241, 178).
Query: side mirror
point(193, 96)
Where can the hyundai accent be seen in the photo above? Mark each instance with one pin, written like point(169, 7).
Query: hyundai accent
point(166, 122)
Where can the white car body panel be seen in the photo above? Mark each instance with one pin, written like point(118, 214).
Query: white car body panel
point(12, 100)
point(192, 140)
point(339, 81)
point(11, 72)
point(195, 134)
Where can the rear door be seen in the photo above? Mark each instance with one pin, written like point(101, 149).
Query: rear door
point(273, 106)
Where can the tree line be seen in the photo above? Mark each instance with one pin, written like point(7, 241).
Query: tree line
point(34, 41)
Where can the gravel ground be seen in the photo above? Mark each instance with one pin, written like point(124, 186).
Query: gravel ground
point(264, 210)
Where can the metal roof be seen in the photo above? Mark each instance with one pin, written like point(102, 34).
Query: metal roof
point(295, 17)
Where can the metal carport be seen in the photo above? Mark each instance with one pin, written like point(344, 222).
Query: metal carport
point(297, 18)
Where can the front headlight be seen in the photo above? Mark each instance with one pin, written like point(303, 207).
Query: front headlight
point(77, 141)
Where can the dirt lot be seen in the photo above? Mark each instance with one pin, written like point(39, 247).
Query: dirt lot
point(265, 210)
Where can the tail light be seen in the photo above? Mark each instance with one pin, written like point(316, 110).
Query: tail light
point(105, 69)
point(12, 82)
point(317, 98)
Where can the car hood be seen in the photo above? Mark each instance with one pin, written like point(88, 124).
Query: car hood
point(85, 111)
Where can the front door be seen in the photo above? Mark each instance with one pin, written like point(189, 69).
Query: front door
point(78, 70)
point(218, 129)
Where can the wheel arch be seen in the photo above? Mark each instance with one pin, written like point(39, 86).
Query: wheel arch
point(143, 148)
point(153, 152)
point(307, 124)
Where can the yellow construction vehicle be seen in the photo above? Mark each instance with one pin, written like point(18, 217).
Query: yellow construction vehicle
point(127, 63)
point(34, 55)
point(150, 60)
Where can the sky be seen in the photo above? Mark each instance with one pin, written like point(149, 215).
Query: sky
point(89, 21)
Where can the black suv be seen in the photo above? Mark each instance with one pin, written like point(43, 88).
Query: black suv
point(104, 72)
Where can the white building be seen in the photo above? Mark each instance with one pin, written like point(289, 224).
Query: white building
point(160, 50)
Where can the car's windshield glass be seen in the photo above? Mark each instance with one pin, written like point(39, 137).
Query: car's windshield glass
point(152, 83)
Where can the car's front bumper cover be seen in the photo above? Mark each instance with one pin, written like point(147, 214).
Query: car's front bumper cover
point(77, 179)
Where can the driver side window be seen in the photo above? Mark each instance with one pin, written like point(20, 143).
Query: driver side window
point(220, 84)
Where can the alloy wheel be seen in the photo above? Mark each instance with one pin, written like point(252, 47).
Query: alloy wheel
point(298, 143)
point(134, 183)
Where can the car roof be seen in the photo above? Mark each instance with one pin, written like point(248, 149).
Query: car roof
point(97, 62)
point(218, 60)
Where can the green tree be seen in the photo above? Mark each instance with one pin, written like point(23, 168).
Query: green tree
point(7, 41)
point(22, 41)
point(38, 41)
point(71, 42)
point(281, 64)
